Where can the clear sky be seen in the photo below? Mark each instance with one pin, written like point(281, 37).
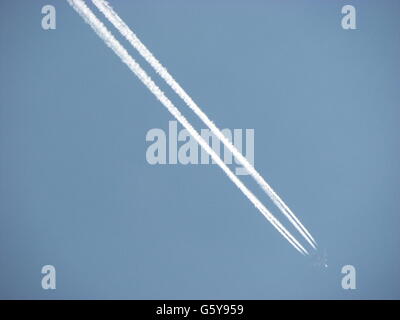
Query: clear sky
point(77, 192)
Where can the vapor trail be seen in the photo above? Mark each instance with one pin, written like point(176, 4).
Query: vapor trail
point(120, 51)
point(119, 24)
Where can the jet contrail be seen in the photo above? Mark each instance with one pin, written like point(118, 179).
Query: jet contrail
point(121, 52)
point(123, 28)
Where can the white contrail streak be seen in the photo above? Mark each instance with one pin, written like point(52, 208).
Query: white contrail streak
point(119, 24)
point(120, 51)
